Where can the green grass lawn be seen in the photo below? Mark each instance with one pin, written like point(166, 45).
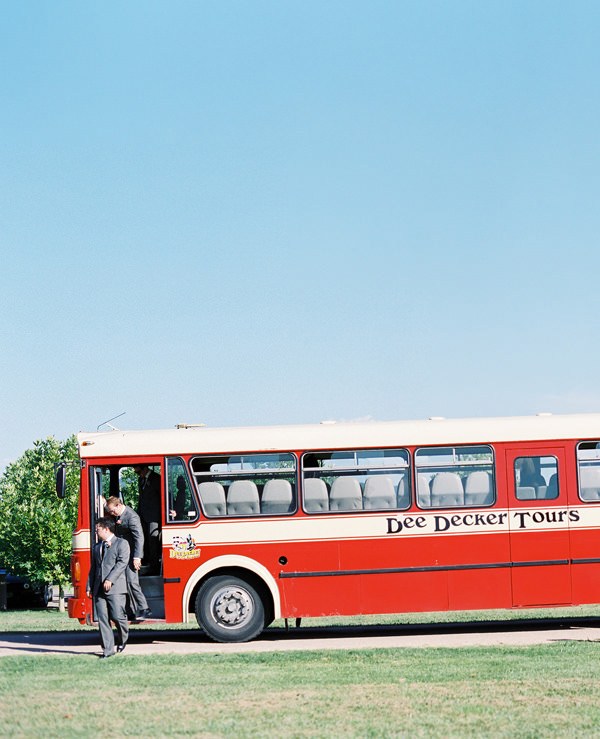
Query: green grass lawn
point(550, 690)
point(523, 692)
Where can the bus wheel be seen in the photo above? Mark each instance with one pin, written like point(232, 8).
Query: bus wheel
point(229, 609)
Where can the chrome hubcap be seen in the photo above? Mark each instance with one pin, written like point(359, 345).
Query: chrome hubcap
point(232, 607)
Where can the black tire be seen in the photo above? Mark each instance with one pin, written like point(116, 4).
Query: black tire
point(228, 609)
point(43, 597)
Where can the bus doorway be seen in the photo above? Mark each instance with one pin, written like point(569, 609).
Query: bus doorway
point(121, 481)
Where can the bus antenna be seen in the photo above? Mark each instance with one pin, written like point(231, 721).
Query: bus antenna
point(108, 423)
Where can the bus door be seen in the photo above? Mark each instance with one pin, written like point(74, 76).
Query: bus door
point(121, 481)
point(99, 489)
point(99, 483)
point(538, 525)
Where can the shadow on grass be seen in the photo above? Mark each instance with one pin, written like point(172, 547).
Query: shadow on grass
point(145, 635)
point(449, 627)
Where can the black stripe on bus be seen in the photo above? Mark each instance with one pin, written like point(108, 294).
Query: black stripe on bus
point(433, 568)
point(591, 561)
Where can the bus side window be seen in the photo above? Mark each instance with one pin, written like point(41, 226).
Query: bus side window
point(455, 477)
point(588, 469)
point(246, 484)
point(181, 504)
point(536, 478)
point(356, 480)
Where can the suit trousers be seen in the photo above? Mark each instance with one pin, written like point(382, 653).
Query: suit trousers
point(111, 607)
point(137, 599)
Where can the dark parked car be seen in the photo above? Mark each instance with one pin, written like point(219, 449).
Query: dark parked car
point(19, 592)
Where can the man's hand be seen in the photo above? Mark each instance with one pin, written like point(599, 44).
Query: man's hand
point(107, 585)
point(137, 563)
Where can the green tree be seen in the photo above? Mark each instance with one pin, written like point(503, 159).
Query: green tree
point(35, 526)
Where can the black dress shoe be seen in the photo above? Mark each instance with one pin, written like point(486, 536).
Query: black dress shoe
point(106, 656)
point(121, 648)
point(143, 615)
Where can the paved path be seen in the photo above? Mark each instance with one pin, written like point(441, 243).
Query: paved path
point(146, 641)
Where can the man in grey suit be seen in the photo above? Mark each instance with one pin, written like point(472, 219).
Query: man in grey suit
point(107, 585)
point(129, 527)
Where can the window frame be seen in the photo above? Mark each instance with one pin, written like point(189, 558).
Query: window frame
point(355, 471)
point(490, 468)
point(540, 457)
point(217, 476)
point(578, 447)
point(193, 492)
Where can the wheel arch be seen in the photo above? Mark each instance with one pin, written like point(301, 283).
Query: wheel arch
point(232, 564)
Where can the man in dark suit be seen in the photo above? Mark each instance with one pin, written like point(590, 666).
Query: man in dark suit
point(107, 585)
point(129, 527)
point(149, 512)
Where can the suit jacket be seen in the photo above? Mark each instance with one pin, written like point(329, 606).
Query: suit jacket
point(112, 567)
point(149, 500)
point(129, 527)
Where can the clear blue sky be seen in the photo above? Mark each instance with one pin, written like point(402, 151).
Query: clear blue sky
point(282, 212)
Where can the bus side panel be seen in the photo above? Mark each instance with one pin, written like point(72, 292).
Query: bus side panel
point(482, 578)
point(382, 591)
point(311, 584)
point(586, 583)
point(404, 592)
point(546, 584)
point(79, 606)
point(320, 596)
point(177, 573)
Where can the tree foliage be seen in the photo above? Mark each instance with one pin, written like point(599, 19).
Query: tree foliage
point(35, 526)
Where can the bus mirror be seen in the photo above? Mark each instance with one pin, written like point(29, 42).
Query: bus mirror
point(61, 477)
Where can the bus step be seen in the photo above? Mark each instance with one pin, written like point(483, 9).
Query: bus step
point(153, 588)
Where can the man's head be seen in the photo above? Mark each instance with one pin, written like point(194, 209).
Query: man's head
point(141, 470)
point(105, 528)
point(114, 506)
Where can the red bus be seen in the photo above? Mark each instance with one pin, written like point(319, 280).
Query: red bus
point(356, 518)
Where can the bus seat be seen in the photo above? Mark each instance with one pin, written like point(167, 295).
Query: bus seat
point(242, 498)
point(212, 495)
point(526, 493)
point(552, 489)
point(379, 493)
point(403, 492)
point(589, 483)
point(423, 491)
point(542, 492)
point(478, 488)
point(447, 490)
point(316, 498)
point(346, 495)
point(276, 497)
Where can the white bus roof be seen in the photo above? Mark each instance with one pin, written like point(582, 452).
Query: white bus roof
point(333, 435)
